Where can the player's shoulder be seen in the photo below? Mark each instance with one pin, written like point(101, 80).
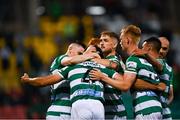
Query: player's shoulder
point(112, 57)
point(133, 58)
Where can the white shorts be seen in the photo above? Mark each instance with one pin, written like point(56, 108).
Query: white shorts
point(87, 109)
point(152, 116)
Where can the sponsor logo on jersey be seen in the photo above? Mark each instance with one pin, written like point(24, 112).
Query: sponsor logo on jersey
point(92, 64)
point(131, 64)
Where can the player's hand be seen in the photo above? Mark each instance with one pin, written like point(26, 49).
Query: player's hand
point(95, 60)
point(96, 74)
point(95, 55)
point(161, 86)
point(140, 52)
point(25, 78)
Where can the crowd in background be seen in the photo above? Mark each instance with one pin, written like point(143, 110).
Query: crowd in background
point(33, 51)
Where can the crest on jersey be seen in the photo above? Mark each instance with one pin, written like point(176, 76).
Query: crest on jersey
point(131, 64)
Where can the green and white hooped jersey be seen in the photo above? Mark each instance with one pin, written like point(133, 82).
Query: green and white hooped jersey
point(166, 77)
point(144, 102)
point(81, 85)
point(114, 106)
point(59, 90)
point(60, 97)
point(120, 63)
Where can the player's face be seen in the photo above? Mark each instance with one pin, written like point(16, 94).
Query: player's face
point(164, 47)
point(123, 41)
point(106, 43)
point(77, 51)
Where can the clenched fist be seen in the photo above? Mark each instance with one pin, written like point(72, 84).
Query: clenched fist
point(25, 78)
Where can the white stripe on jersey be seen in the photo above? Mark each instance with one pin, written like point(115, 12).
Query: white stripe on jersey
point(77, 71)
point(130, 72)
point(144, 93)
point(144, 61)
point(165, 77)
point(75, 82)
point(146, 73)
point(166, 111)
point(56, 108)
point(118, 108)
point(147, 104)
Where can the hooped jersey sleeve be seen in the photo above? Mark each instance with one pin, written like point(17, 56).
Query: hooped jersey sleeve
point(132, 65)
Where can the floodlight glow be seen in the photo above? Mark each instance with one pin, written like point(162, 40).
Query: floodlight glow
point(95, 10)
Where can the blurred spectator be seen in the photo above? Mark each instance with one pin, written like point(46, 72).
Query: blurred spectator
point(5, 55)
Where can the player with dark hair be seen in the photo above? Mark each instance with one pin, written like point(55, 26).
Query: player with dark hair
point(86, 96)
point(61, 106)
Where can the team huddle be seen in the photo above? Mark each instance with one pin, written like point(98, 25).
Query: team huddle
point(88, 83)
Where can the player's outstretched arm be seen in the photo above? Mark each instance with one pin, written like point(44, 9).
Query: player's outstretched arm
point(143, 85)
point(41, 81)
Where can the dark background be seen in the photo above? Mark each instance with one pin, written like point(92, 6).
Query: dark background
point(34, 32)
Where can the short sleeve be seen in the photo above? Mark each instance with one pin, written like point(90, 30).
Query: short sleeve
point(109, 72)
point(131, 65)
point(63, 72)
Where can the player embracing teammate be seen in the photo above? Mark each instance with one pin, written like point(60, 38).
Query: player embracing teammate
point(97, 81)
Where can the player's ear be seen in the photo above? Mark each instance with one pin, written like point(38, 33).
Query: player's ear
point(128, 40)
point(149, 47)
point(115, 45)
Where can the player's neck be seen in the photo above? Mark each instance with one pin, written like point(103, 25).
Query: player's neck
point(110, 54)
point(155, 55)
point(131, 49)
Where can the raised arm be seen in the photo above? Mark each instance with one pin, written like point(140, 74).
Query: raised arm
point(41, 81)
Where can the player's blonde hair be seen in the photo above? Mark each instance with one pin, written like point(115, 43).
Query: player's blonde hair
point(133, 31)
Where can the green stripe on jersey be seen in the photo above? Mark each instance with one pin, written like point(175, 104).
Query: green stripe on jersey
point(120, 114)
point(167, 116)
point(62, 103)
